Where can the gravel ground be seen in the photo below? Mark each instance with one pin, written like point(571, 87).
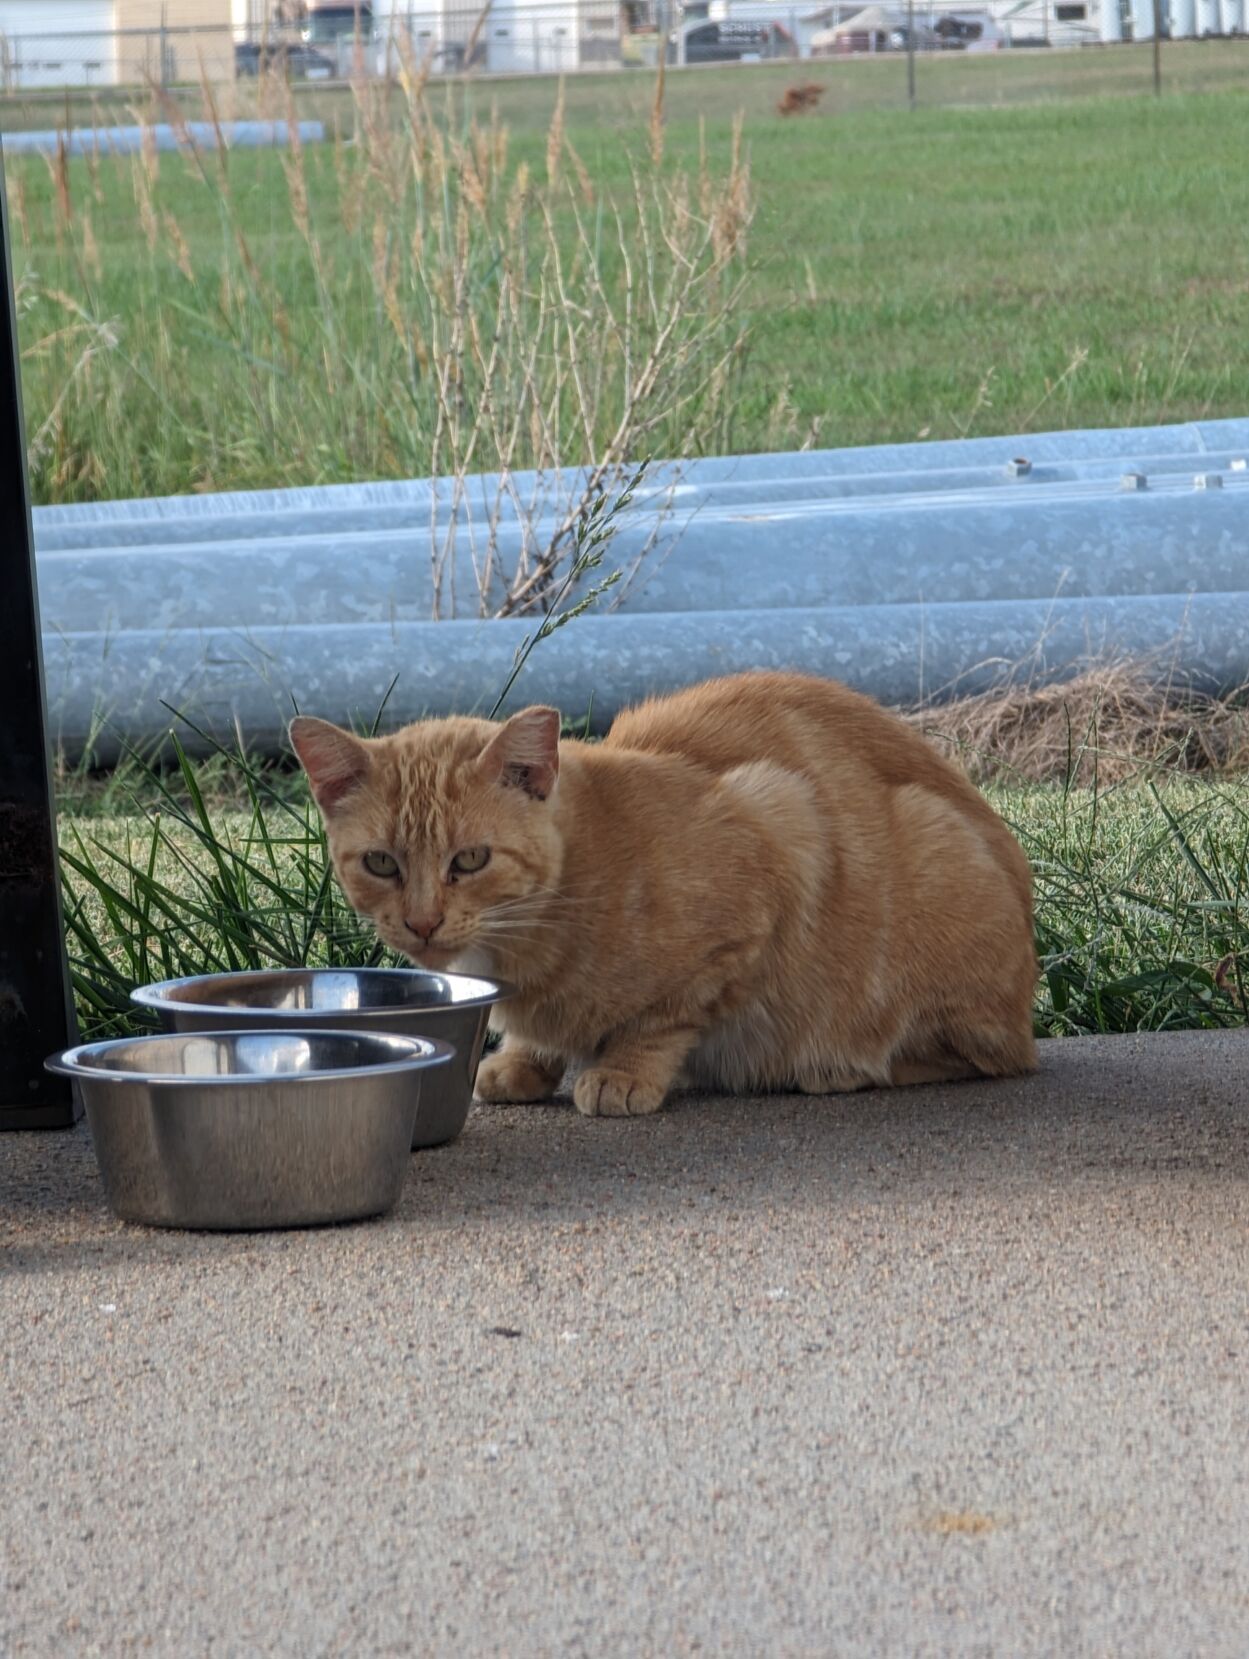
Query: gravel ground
point(956, 1370)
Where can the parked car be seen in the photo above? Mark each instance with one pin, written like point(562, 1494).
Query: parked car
point(868, 30)
point(926, 39)
point(284, 57)
point(968, 34)
point(955, 32)
point(730, 42)
point(326, 25)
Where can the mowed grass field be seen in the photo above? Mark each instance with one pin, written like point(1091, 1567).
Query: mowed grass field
point(1040, 244)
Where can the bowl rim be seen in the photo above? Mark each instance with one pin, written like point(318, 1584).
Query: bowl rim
point(424, 1052)
point(155, 997)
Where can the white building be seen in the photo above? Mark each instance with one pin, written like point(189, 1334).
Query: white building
point(85, 43)
point(439, 30)
point(801, 22)
point(1061, 22)
point(1002, 22)
point(519, 37)
point(46, 43)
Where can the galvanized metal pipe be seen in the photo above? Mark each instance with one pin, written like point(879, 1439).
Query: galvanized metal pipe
point(230, 606)
point(1098, 452)
point(1024, 528)
point(539, 503)
point(104, 690)
point(126, 141)
point(1080, 539)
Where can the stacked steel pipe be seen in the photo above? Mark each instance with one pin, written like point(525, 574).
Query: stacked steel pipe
point(910, 571)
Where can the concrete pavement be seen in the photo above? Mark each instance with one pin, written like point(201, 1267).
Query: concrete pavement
point(957, 1370)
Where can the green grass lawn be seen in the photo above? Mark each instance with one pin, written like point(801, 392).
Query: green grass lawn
point(1041, 244)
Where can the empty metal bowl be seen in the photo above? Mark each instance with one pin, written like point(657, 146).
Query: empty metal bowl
point(452, 1008)
point(238, 1129)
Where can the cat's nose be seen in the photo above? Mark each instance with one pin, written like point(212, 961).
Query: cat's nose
point(424, 926)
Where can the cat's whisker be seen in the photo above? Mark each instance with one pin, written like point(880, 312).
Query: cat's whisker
point(514, 932)
point(585, 886)
point(509, 910)
point(530, 919)
point(531, 901)
point(497, 931)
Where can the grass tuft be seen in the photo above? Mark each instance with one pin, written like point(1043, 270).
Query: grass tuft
point(408, 301)
point(181, 886)
point(1107, 724)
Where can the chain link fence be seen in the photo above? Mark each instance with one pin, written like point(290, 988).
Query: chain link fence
point(564, 36)
point(556, 37)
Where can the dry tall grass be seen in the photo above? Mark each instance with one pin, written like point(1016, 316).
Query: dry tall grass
point(1112, 721)
point(409, 301)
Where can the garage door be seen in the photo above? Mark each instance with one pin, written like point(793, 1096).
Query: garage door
point(57, 43)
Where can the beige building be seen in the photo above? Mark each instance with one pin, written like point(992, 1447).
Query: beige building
point(189, 32)
point(239, 14)
point(65, 43)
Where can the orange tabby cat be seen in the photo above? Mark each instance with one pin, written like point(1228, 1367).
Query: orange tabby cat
point(765, 882)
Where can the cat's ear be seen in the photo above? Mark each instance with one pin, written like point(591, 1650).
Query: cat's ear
point(524, 753)
point(335, 761)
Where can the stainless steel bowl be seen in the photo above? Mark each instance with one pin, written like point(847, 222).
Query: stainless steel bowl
point(451, 1008)
point(239, 1129)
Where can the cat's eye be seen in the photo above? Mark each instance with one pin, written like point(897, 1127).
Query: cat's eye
point(381, 864)
point(470, 861)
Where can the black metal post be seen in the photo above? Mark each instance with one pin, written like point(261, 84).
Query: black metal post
point(910, 54)
point(36, 1009)
point(1157, 48)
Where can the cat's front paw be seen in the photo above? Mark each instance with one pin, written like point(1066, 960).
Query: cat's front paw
point(603, 1093)
point(513, 1078)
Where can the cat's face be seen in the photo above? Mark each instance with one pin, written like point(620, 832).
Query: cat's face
point(444, 834)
